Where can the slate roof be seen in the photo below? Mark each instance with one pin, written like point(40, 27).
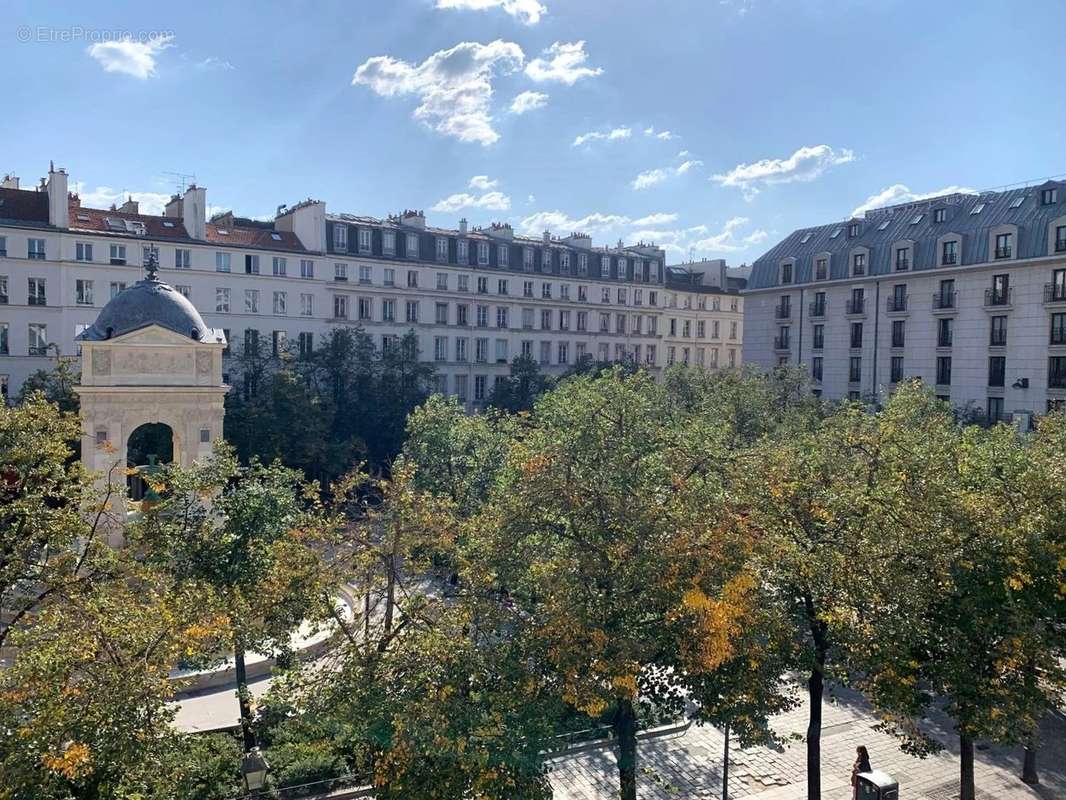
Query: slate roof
point(882, 228)
point(96, 220)
point(23, 205)
point(149, 302)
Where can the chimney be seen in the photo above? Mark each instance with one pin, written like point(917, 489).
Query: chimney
point(194, 212)
point(75, 200)
point(173, 208)
point(462, 224)
point(58, 202)
point(547, 236)
point(416, 219)
point(10, 182)
point(130, 206)
point(308, 221)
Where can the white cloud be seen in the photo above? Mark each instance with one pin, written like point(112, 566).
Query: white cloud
point(105, 196)
point(482, 182)
point(805, 164)
point(652, 177)
point(682, 154)
point(728, 240)
point(529, 11)
point(489, 201)
point(454, 86)
point(130, 57)
point(898, 193)
point(662, 135)
point(562, 62)
point(659, 218)
point(698, 240)
point(528, 101)
point(597, 136)
point(213, 63)
point(564, 223)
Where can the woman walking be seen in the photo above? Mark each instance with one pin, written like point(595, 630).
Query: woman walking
point(862, 764)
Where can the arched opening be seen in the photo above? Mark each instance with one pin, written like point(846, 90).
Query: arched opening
point(150, 446)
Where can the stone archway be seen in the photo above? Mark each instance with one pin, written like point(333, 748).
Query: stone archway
point(150, 446)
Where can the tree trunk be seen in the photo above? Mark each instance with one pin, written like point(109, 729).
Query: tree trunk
point(1029, 773)
point(625, 731)
point(725, 766)
point(966, 789)
point(815, 690)
point(244, 699)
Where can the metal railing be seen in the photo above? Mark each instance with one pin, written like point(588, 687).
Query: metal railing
point(817, 309)
point(998, 297)
point(856, 306)
point(781, 342)
point(942, 300)
point(1055, 292)
point(896, 303)
point(1003, 252)
point(947, 259)
point(783, 312)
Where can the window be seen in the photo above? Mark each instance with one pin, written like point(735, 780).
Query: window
point(564, 262)
point(305, 343)
point(388, 310)
point(464, 283)
point(83, 292)
point(998, 334)
point(940, 214)
point(945, 298)
point(365, 308)
point(462, 316)
point(388, 243)
point(621, 296)
point(1056, 372)
point(501, 351)
point(943, 370)
point(781, 341)
point(546, 291)
point(527, 259)
point(622, 268)
point(4, 349)
point(997, 370)
point(949, 253)
point(38, 339)
point(440, 348)
point(307, 305)
point(856, 334)
point(251, 265)
point(340, 307)
point(605, 266)
point(1058, 329)
point(222, 260)
point(222, 305)
point(546, 320)
point(483, 253)
point(501, 286)
point(479, 387)
point(442, 248)
point(460, 349)
point(280, 302)
point(462, 250)
point(701, 329)
point(482, 285)
point(786, 272)
point(899, 333)
point(858, 264)
point(251, 341)
point(1060, 238)
point(895, 369)
point(527, 288)
point(1048, 196)
point(898, 300)
point(307, 268)
point(365, 239)
point(945, 329)
point(582, 264)
point(1003, 245)
point(340, 236)
point(806, 237)
point(818, 333)
point(3, 245)
point(182, 258)
point(390, 276)
point(277, 343)
point(732, 331)
point(501, 316)
point(251, 301)
point(977, 209)
point(784, 308)
point(853, 230)
point(999, 294)
point(816, 368)
point(412, 245)
point(995, 410)
point(36, 292)
point(412, 279)
point(503, 255)
point(482, 316)
point(279, 265)
point(821, 269)
point(835, 233)
point(564, 353)
point(855, 369)
point(83, 251)
point(857, 303)
point(916, 219)
point(903, 261)
point(119, 286)
point(442, 281)
point(442, 313)
point(35, 249)
point(340, 271)
point(366, 274)
point(411, 311)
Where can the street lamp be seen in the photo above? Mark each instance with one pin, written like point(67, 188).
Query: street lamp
point(254, 770)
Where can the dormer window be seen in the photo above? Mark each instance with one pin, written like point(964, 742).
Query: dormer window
point(858, 264)
point(1004, 245)
point(364, 241)
point(442, 248)
point(821, 269)
point(412, 245)
point(340, 237)
point(853, 230)
point(940, 214)
point(786, 272)
point(903, 259)
point(1048, 196)
point(527, 259)
point(949, 253)
point(503, 255)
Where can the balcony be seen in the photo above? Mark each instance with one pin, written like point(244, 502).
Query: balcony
point(1003, 252)
point(944, 301)
point(36, 301)
point(783, 312)
point(819, 344)
point(998, 338)
point(949, 259)
point(817, 310)
point(895, 305)
point(998, 298)
point(1055, 292)
point(856, 306)
point(1058, 336)
point(781, 343)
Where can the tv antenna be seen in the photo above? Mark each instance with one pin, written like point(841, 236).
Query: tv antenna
point(182, 181)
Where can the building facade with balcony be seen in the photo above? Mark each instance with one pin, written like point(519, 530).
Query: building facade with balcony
point(474, 297)
point(965, 291)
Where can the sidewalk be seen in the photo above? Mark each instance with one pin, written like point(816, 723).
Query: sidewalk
point(690, 766)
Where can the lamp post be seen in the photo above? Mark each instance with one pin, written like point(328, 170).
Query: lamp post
point(254, 768)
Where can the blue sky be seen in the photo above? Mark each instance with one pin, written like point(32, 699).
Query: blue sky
point(713, 127)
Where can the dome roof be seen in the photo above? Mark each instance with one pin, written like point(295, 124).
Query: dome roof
point(148, 302)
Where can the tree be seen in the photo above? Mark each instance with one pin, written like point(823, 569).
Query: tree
point(252, 534)
point(520, 390)
point(56, 384)
point(605, 534)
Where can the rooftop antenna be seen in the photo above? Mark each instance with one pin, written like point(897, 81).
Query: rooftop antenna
point(182, 181)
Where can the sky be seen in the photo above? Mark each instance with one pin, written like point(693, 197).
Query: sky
point(711, 127)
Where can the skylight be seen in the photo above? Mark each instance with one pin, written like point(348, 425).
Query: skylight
point(917, 218)
point(83, 217)
point(835, 233)
point(223, 232)
point(1017, 201)
point(276, 237)
point(806, 237)
point(977, 209)
point(883, 225)
point(168, 224)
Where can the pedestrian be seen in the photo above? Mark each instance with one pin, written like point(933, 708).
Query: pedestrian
point(862, 764)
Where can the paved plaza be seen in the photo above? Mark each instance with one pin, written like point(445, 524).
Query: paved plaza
point(690, 765)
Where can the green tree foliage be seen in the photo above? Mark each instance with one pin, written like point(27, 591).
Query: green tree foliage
point(520, 390)
point(56, 384)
